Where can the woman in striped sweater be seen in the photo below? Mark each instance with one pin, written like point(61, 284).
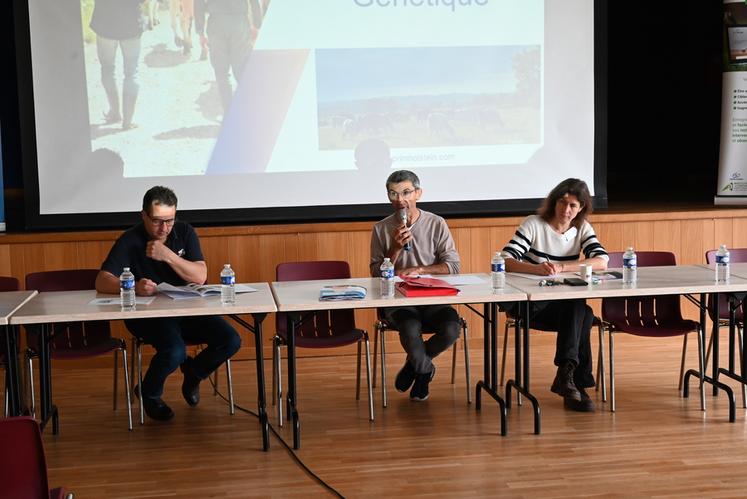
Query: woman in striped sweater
point(549, 243)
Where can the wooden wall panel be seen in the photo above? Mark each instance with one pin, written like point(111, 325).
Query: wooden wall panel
point(6, 267)
point(90, 252)
point(611, 235)
point(695, 238)
point(254, 251)
point(724, 232)
point(737, 236)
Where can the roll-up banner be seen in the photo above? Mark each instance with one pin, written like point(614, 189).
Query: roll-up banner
point(732, 171)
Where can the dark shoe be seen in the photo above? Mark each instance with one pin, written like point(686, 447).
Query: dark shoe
point(191, 384)
point(419, 390)
point(583, 405)
point(178, 41)
point(405, 377)
point(155, 408)
point(563, 384)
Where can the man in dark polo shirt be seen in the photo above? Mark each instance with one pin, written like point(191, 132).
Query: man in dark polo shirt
point(161, 249)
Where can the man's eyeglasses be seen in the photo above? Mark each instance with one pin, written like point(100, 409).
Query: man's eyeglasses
point(160, 222)
point(406, 194)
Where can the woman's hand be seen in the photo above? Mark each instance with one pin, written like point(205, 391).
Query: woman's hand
point(549, 268)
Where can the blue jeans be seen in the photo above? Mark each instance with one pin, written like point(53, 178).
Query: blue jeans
point(106, 49)
point(170, 337)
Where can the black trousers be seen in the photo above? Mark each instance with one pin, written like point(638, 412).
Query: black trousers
point(440, 320)
point(572, 319)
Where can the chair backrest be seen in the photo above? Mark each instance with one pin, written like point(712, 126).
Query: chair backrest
point(642, 311)
point(736, 255)
point(9, 284)
point(644, 259)
point(23, 468)
point(71, 339)
point(62, 280)
point(326, 323)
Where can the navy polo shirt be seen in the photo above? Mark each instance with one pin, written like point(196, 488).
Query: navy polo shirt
point(129, 251)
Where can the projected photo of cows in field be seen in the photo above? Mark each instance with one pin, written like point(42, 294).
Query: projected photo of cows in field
point(434, 96)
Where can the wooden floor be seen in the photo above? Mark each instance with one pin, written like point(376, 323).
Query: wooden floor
point(657, 444)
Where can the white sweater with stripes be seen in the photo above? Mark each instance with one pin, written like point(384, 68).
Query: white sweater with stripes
point(536, 242)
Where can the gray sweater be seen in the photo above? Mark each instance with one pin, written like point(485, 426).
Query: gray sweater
point(431, 244)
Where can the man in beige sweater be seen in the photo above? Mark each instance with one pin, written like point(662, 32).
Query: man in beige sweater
point(423, 245)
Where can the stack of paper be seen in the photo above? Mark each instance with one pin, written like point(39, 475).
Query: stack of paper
point(342, 292)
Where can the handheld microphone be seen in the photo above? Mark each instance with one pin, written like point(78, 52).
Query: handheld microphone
point(403, 218)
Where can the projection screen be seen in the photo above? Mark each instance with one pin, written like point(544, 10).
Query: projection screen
point(490, 102)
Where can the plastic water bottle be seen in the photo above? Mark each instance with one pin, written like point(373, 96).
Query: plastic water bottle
point(722, 264)
point(227, 282)
point(498, 271)
point(387, 278)
point(630, 266)
point(127, 289)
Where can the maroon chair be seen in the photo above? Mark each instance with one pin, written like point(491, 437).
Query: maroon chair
point(76, 340)
point(326, 329)
point(736, 255)
point(653, 316)
point(23, 467)
point(381, 326)
point(6, 284)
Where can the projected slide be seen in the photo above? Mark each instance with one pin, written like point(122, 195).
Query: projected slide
point(271, 97)
point(372, 74)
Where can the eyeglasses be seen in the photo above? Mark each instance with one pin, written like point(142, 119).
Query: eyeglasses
point(160, 222)
point(406, 194)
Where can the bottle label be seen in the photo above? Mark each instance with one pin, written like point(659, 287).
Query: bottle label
point(722, 259)
point(630, 262)
point(387, 273)
point(498, 267)
point(227, 280)
point(127, 284)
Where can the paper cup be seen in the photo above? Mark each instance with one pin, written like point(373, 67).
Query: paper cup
point(585, 272)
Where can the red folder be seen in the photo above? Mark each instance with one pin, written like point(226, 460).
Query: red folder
point(425, 286)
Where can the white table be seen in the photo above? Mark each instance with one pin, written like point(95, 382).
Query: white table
point(296, 297)
point(652, 281)
point(71, 306)
point(10, 302)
